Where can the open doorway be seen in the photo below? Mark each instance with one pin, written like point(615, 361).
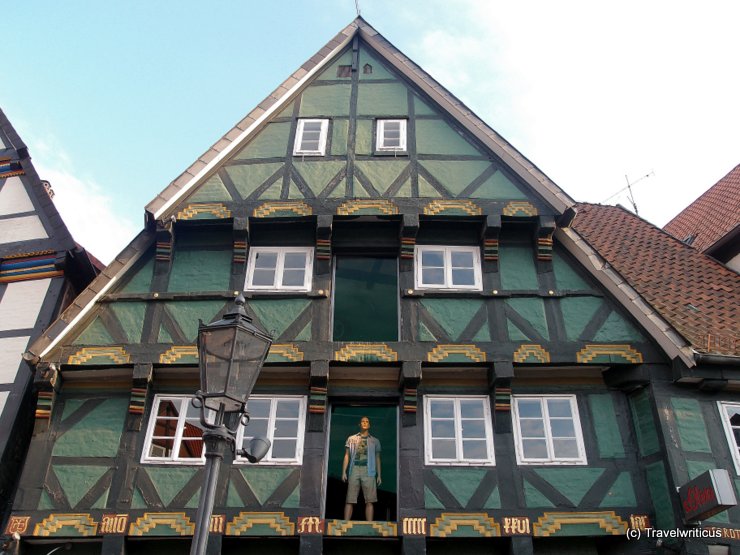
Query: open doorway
point(384, 426)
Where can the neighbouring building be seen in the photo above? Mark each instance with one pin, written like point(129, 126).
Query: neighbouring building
point(712, 222)
point(541, 374)
point(41, 271)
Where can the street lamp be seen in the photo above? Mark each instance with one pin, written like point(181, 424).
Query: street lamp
point(231, 352)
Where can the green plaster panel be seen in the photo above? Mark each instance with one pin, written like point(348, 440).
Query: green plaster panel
point(642, 415)
point(566, 276)
point(691, 427)
point(138, 501)
point(294, 499)
point(131, 318)
point(695, 468)
point(46, 503)
point(339, 190)
point(327, 100)
point(97, 434)
point(339, 133)
point(275, 315)
point(71, 406)
point(405, 190)
point(660, 495)
point(426, 190)
point(531, 309)
point(187, 313)
point(425, 334)
point(287, 111)
point(436, 136)
point(248, 178)
point(452, 314)
point(494, 500)
point(381, 173)
point(330, 73)
point(379, 71)
point(421, 108)
point(200, 270)
point(455, 176)
point(621, 494)
point(431, 501)
point(141, 278)
point(498, 186)
point(483, 334)
point(169, 481)
point(533, 498)
point(461, 482)
point(318, 174)
point(515, 334)
point(573, 483)
point(164, 336)
point(76, 480)
point(95, 334)
point(102, 501)
point(304, 334)
point(264, 481)
point(604, 418)
point(364, 137)
point(212, 190)
point(580, 530)
point(382, 99)
point(517, 268)
point(232, 497)
point(294, 192)
point(273, 192)
point(617, 328)
point(271, 142)
point(577, 313)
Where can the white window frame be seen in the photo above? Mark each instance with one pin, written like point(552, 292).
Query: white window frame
point(490, 459)
point(145, 457)
point(734, 448)
point(448, 285)
point(297, 151)
point(380, 136)
point(281, 252)
point(551, 459)
point(268, 460)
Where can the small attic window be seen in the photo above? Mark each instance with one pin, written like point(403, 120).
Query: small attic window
point(344, 71)
point(391, 135)
point(310, 137)
point(367, 69)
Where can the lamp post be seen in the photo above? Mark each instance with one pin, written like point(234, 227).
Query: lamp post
point(231, 352)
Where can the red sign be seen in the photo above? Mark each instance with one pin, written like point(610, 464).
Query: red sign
point(706, 495)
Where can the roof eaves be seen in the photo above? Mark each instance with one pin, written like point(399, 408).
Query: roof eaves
point(674, 344)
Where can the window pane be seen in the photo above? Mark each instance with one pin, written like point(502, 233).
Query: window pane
point(295, 260)
point(265, 260)
point(558, 407)
point(161, 447)
point(263, 277)
point(166, 427)
point(474, 450)
point(431, 258)
point(443, 428)
point(534, 448)
point(443, 449)
point(529, 407)
point(169, 407)
point(565, 448)
point(471, 408)
point(294, 278)
point(255, 428)
point(286, 428)
point(461, 259)
point(532, 427)
point(258, 408)
point(463, 277)
point(435, 276)
point(288, 409)
point(736, 433)
point(562, 428)
point(734, 414)
point(283, 449)
point(190, 449)
point(473, 428)
point(442, 409)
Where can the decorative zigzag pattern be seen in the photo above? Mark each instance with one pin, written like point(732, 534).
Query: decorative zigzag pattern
point(212, 210)
point(531, 353)
point(244, 522)
point(361, 528)
point(277, 208)
point(366, 352)
point(452, 207)
point(147, 524)
point(520, 208)
point(114, 355)
point(549, 524)
point(82, 522)
point(441, 353)
point(449, 525)
point(176, 352)
point(592, 353)
point(384, 207)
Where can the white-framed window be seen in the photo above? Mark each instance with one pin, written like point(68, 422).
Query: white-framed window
point(174, 433)
point(310, 137)
point(279, 269)
point(390, 135)
point(457, 430)
point(547, 430)
point(282, 420)
point(730, 413)
point(447, 267)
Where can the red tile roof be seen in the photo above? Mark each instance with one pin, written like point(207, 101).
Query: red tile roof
point(712, 215)
point(698, 296)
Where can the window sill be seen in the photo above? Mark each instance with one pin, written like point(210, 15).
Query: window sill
point(392, 153)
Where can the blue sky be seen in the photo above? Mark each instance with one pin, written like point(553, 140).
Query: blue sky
point(115, 100)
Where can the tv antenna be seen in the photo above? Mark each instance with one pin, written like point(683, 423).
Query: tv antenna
point(357, 7)
point(628, 188)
